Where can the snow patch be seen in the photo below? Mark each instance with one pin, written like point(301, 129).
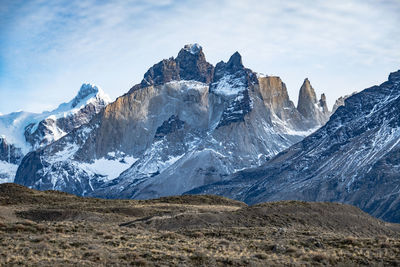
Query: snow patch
point(229, 85)
point(187, 85)
point(109, 168)
point(193, 48)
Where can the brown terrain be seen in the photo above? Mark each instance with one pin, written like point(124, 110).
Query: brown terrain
point(52, 228)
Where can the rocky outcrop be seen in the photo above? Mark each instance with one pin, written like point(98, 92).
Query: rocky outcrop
point(283, 112)
point(312, 109)
point(190, 64)
point(353, 159)
point(340, 102)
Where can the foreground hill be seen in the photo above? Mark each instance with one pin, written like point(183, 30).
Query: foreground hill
point(50, 228)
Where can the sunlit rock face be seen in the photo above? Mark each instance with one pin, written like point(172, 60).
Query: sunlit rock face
point(310, 107)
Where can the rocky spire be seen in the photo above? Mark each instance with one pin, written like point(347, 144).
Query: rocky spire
point(312, 109)
point(234, 67)
point(307, 99)
point(235, 62)
point(323, 104)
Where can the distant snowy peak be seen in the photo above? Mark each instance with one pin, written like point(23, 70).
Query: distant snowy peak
point(22, 132)
point(51, 126)
point(89, 91)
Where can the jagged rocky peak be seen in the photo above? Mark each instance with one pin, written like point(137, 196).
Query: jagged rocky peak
point(162, 72)
point(193, 64)
point(233, 66)
point(310, 107)
point(87, 91)
point(235, 62)
point(394, 77)
point(341, 102)
point(231, 85)
point(232, 77)
point(190, 64)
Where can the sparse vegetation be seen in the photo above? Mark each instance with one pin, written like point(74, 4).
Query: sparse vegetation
point(52, 228)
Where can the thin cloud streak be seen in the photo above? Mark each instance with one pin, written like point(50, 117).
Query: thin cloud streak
point(49, 48)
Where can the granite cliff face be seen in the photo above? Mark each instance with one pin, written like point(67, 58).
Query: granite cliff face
point(354, 159)
point(22, 132)
point(310, 107)
point(185, 125)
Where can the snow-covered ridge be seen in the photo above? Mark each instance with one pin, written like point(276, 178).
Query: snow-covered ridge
point(12, 126)
point(22, 132)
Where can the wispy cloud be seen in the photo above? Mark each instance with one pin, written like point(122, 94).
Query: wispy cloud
point(48, 48)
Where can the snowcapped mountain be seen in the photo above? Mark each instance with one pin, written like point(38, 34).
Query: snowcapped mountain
point(354, 158)
point(185, 125)
point(22, 132)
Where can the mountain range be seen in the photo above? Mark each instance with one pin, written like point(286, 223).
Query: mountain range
point(193, 128)
point(185, 125)
point(354, 158)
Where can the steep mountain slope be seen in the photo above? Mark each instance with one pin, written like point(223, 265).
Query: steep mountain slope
point(354, 159)
point(21, 132)
point(185, 125)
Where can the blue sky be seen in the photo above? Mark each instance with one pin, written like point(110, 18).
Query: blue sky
point(49, 48)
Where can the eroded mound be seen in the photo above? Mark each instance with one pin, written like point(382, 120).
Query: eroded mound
point(198, 200)
point(335, 217)
point(56, 229)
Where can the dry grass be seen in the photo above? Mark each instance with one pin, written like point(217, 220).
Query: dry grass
point(50, 229)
